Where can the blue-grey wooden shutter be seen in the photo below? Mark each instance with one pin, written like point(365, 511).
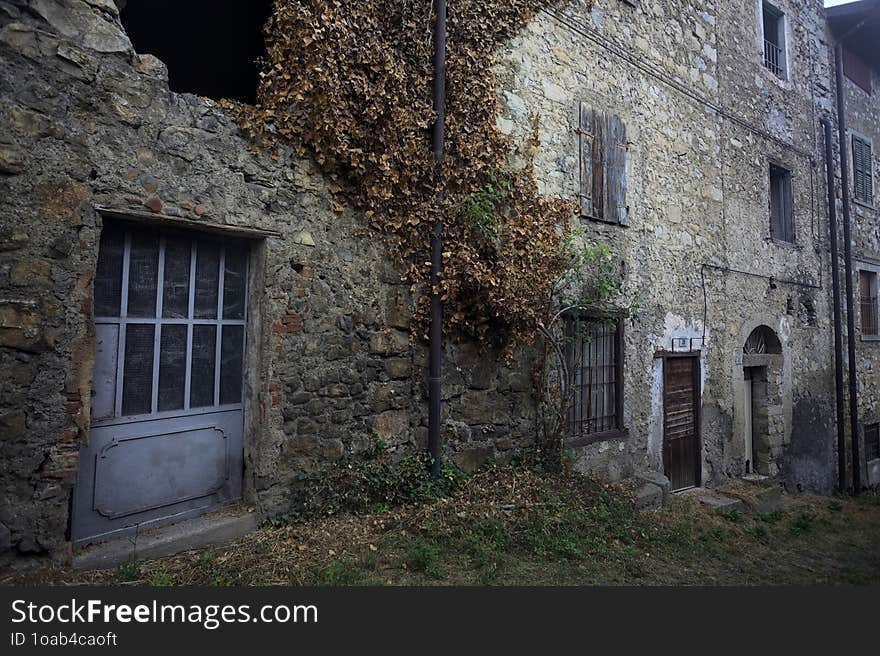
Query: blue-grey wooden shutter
point(862, 177)
point(615, 154)
point(592, 195)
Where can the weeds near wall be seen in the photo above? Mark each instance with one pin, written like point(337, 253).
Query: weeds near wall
point(372, 481)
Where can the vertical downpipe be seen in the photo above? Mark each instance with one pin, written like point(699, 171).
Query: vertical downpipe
point(436, 332)
point(838, 327)
point(847, 260)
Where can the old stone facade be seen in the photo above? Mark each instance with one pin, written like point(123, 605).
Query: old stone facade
point(91, 137)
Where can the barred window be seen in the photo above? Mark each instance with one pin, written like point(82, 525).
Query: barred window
point(863, 179)
point(774, 39)
point(595, 357)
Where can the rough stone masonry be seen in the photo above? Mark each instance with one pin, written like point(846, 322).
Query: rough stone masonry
point(90, 134)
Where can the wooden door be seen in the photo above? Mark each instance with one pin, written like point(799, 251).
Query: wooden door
point(681, 420)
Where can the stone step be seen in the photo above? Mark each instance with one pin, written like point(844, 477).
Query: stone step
point(205, 531)
point(714, 499)
point(653, 492)
point(758, 493)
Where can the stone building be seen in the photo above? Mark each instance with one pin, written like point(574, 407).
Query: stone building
point(185, 322)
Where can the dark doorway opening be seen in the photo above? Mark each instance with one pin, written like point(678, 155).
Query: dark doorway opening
point(209, 46)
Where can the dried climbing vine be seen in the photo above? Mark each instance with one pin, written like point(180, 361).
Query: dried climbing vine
point(348, 84)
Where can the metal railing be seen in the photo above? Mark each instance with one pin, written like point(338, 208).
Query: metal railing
point(870, 319)
point(774, 58)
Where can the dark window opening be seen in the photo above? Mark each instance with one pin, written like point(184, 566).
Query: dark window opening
point(210, 48)
point(595, 358)
point(857, 70)
point(781, 221)
point(774, 39)
point(868, 303)
point(762, 341)
point(872, 441)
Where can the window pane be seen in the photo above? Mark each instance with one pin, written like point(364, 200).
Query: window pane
point(207, 279)
point(231, 349)
point(104, 381)
point(234, 284)
point(137, 387)
point(203, 356)
point(108, 277)
point(143, 270)
point(172, 368)
point(175, 300)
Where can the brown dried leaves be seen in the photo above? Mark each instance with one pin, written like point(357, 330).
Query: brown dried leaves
point(349, 84)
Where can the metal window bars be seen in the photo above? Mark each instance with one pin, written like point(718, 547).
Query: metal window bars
point(870, 318)
point(773, 58)
point(594, 355)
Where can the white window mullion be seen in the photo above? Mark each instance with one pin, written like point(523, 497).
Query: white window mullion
point(123, 313)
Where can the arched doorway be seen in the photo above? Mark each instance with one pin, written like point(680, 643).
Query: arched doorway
point(763, 404)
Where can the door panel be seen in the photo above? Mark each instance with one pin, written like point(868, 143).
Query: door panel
point(681, 436)
point(167, 421)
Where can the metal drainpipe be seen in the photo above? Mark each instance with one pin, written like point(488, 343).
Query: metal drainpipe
point(847, 260)
point(436, 332)
point(838, 327)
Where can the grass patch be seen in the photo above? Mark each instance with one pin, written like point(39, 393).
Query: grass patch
point(426, 556)
point(512, 525)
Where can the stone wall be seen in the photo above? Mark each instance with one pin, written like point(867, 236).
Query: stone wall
point(89, 133)
point(87, 123)
point(863, 118)
point(704, 121)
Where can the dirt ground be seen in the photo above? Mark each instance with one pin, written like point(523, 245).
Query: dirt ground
point(510, 526)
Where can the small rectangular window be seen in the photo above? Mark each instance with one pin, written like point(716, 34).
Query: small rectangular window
point(774, 39)
point(781, 220)
point(602, 166)
point(855, 68)
point(863, 178)
point(872, 442)
point(595, 358)
point(868, 303)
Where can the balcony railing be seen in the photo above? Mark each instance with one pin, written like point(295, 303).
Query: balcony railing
point(870, 319)
point(773, 58)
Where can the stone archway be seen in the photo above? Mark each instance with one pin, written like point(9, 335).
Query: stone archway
point(764, 378)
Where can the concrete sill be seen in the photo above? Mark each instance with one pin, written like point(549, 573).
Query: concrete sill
point(784, 244)
point(871, 338)
point(586, 440)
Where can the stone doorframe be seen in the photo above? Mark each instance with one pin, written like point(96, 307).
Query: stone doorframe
point(769, 374)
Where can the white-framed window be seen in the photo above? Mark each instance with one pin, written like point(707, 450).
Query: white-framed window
point(868, 303)
point(773, 32)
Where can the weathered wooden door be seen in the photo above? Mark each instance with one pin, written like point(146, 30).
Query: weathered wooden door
point(681, 420)
point(167, 422)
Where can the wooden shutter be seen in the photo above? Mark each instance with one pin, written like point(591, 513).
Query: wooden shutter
point(615, 150)
point(862, 174)
point(603, 166)
point(775, 205)
point(592, 164)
